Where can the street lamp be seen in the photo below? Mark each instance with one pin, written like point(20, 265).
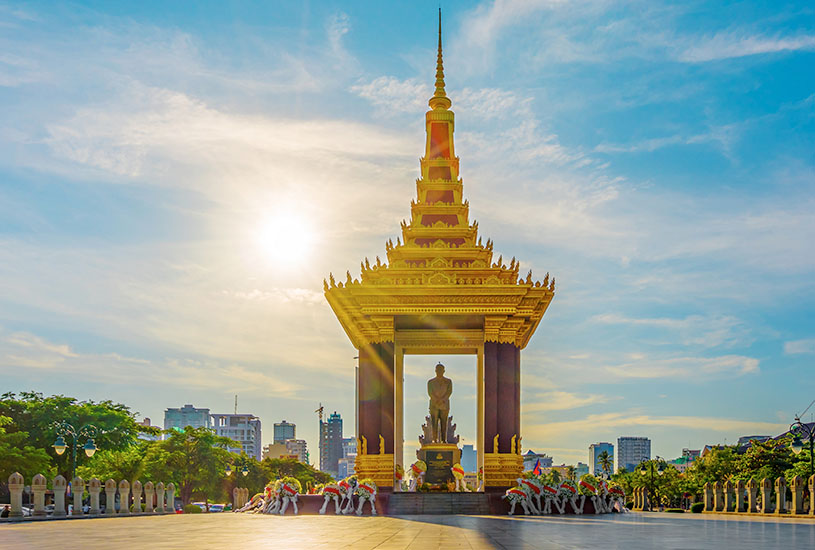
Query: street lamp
point(660, 470)
point(64, 430)
point(799, 429)
point(244, 471)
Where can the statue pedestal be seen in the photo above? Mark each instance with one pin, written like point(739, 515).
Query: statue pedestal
point(440, 458)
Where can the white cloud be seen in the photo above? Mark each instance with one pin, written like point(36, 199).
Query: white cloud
point(689, 369)
point(735, 43)
point(693, 330)
point(561, 401)
point(800, 347)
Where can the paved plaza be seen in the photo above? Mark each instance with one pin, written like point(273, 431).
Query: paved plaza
point(231, 531)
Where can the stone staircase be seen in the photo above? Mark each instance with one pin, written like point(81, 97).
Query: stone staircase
point(401, 504)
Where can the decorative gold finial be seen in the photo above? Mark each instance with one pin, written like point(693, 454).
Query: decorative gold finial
point(439, 101)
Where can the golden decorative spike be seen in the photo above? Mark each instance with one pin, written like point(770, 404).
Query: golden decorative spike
point(500, 260)
point(512, 443)
point(519, 444)
point(367, 264)
point(495, 444)
point(364, 445)
point(361, 267)
point(325, 285)
point(529, 277)
point(378, 262)
point(546, 279)
point(512, 263)
point(331, 280)
point(398, 242)
point(439, 101)
point(381, 445)
point(552, 286)
point(349, 279)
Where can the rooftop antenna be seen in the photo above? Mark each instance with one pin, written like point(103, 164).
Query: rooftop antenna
point(236, 403)
point(319, 412)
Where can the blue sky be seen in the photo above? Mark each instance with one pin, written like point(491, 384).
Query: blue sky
point(657, 158)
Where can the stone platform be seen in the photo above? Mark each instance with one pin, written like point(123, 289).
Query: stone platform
point(401, 504)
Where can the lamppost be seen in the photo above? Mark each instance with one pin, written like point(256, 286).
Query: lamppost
point(244, 470)
point(660, 469)
point(798, 429)
point(64, 430)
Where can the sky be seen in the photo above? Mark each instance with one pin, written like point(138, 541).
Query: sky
point(176, 180)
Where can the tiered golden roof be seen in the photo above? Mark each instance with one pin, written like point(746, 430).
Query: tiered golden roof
point(440, 266)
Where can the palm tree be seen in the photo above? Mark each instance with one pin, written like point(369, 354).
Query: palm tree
point(606, 462)
point(571, 472)
point(555, 477)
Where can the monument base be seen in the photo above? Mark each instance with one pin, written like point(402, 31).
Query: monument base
point(439, 458)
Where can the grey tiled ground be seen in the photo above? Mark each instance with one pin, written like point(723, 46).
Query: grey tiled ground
point(239, 531)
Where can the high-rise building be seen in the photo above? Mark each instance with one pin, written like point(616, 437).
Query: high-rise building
point(298, 447)
point(346, 466)
point(595, 450)
point(349, 446)
point(469, 458)
point(531, 458)
point(284, 431)
point(146, 436)
point(331, 444)
point(631, 451)
point(581, 469)
point(243, 428)
point(178, 419)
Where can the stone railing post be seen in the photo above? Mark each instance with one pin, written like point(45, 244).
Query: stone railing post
point(60, 484)
point(171, 497)
point(718, 496)
point(16, 484)
point(781, 495)
point(38, 487)
point(766, 496)
point(708, 493)
point(160, 508)
point(94, 488)
point(740, 496)
point(752, 496)
point(78, 490)
point(110, 497)
point(136, 488)
point(124, 497)
point(797, 495)
point(812, 495)
point(149, 493)
point(728, 496)
point(235, 496)
point(245, 497)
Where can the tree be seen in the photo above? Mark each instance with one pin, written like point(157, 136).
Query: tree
point(35, 415)
point(194, 459)
point(606, 462)
point(16, 455)
point(770, 459)
point(117, 465)
point(571, 473)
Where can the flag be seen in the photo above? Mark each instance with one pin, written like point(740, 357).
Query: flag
point(537, 470)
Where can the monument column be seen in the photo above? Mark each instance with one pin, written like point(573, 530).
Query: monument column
point(502, 413)
point(376, 413)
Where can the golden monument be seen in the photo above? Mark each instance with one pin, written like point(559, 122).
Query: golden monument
point(440, 291)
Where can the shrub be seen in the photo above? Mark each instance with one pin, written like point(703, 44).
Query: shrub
point(133, 508)
point(192, 509)
point(675, 510)
point(697, 507)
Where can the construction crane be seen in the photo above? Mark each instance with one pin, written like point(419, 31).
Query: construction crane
point(320, 412)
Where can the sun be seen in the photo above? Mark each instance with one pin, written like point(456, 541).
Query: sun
point(286, 239)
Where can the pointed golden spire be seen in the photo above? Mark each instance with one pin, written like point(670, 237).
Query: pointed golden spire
point(439, 100)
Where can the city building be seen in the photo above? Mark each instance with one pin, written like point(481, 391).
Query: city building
point(349, 446)
point(691, 454)
point(346, 466)
point(178, 419)
point(681, 464)
point(298, 448)
point(275, 450)
point(146, 436)
point(581, 469)
point(531, 459)
point(595, 450)
point(562, 470)
point(631, 451)
point(284, 431)
point(331, 444)
point(243, 428)
point(469, 458)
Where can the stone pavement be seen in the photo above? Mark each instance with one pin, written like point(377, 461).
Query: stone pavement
point(254, 532)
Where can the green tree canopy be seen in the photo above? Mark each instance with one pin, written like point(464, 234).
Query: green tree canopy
point(17, 455)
